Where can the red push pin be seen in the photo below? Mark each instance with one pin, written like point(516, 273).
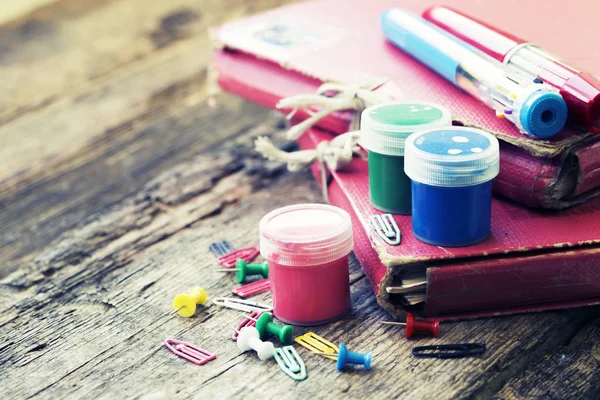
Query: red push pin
point(415, 325)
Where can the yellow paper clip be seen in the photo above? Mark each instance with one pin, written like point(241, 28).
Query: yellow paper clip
point(316, 343)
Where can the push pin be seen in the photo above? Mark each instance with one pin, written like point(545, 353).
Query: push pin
point(346, 356)
point(185, 304)
point(266, 326)
point(249, 339)
point(414, 325)
point(242, 269)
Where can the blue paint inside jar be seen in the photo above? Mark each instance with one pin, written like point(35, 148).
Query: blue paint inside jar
point(451, 171)
point(462, 218)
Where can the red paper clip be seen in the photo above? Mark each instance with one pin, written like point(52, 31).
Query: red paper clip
point(252, 288)
point(247, 254)
point(247, 322)
point(190, 352)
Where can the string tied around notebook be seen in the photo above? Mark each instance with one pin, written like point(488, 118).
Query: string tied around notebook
point(330, 98)
point(334, 154)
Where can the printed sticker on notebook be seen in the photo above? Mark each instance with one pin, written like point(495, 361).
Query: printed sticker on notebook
point(278, 40)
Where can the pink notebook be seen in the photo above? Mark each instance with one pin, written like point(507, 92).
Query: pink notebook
point(287, 52)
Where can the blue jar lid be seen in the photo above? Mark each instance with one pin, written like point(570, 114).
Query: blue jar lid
point(454, 156)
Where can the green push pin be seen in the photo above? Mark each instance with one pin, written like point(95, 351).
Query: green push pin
point(242, 269)
point(265, 325)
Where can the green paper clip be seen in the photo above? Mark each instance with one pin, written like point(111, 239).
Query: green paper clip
point(386, 228)
point(290, 362)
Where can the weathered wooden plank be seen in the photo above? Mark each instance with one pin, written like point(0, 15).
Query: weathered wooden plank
point(10, 10)
point(94, 307)
point(97, 123)
point(102, 60)
point(572, 371)
point(116, 165)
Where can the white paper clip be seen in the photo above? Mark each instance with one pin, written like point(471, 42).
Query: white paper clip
point(386, 228)
point(242, 305)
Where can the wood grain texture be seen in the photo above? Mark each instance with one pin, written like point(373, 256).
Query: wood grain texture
point(116, 178)
point(572, 371)
point(94, 307)
point(10, 10)
point(97, 122)
point(97, 62)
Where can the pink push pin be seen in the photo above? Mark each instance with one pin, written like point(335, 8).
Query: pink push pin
point(189, 351)
point(247, 254)
point(252, 288)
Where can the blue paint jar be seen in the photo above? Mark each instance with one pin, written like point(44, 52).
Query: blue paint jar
point(451, 170)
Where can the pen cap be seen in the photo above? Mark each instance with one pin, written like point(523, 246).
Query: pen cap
point(582, 94)
point(452, 157)
point(385, 127)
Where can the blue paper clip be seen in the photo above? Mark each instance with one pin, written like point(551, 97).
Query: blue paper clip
point(290, 362)
point(446, 351)
point(221, 248)
point(386, 228)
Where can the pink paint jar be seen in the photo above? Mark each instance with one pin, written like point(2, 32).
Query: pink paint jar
point(307, 247)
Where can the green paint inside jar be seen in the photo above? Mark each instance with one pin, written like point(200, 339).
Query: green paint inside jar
point(389, 187)
point(384, 129)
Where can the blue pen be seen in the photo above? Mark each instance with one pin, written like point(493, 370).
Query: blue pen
point(535, 108)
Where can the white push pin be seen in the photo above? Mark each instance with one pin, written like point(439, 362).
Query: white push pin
point(248, 339)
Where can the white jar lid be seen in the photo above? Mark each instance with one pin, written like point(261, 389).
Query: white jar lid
point(454, 156)
point(306, 234)
point(385, 127)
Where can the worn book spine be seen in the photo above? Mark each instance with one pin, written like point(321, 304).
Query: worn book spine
point(554, 183)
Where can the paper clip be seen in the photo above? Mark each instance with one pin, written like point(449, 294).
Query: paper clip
point(190, 352)
point(247, 254)
point(248, 321)
point(252, 288)
point(446, 351)
point(242, 305)
point(290, 362)
point(316, 343)
point(386, 228)
point(221, 248)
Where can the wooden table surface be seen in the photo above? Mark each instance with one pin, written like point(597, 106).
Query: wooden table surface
point(116, 176)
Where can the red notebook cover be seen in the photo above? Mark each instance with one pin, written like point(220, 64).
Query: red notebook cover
point(263, 64)
point(533, 260)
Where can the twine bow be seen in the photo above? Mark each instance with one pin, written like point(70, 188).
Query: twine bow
point(335, 154)
point(330, 97)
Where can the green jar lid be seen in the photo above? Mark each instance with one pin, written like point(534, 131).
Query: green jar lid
point(385, 127)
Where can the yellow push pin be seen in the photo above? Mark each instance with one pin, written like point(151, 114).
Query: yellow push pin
point(185, 304)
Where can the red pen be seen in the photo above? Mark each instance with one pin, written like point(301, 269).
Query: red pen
point(579, 89)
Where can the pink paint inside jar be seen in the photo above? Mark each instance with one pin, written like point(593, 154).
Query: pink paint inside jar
point(307, 247)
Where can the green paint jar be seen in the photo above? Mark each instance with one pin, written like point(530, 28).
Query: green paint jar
point(383, 131)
